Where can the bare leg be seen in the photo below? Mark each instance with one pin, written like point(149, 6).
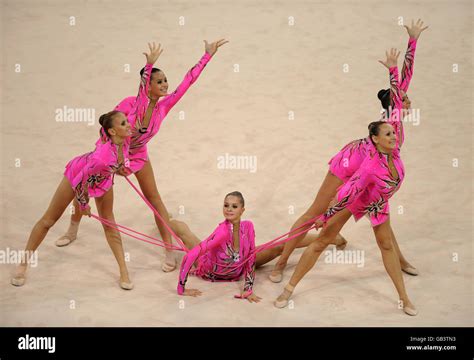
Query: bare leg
point(326, 193)
point(71, 233)
point(312, 253)
point(185, 233)
point(391, 262)
point(406, 266)
point(268, 255)
point(146, 180)
point(61, 199)
point(105, 210)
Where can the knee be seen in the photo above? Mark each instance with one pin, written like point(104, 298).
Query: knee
point(319, 245)
point(109, 217)
point(279, 250)
point(385, 243)
point(176, 226)
point(176, 223)
point(47, 222)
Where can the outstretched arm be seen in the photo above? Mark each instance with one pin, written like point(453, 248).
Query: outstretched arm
point(395, 111)
point(408, 63)
point(192, 75)
point(414, 32)
point(142, 97)
point(214, 240)
point(137, 106)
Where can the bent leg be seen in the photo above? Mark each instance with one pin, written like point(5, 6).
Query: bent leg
point(184, 232)
point(268, 255)
point(325, 194)
point(312, 253)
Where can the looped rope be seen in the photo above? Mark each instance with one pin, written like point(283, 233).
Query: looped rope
point(157, 214)
point(155, 241)
point(181, 247)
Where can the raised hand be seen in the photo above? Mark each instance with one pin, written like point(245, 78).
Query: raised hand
point(155, 52)
point(211, 48)
point(415, 30)
point(392, 58)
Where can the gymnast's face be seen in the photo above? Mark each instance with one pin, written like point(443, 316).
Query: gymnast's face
point(121, 127)
point(386, 139)
point(233, 208)
point(158, 84)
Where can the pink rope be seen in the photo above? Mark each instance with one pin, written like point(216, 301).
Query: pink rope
point(155, 241)
point(159, 242)
point(271, 244)
point(275, 242)
point(178, 240)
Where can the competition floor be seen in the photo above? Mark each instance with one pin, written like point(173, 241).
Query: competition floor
point(301, 92)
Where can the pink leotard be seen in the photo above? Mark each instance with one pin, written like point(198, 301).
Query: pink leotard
point(371, 186)
point(92, 174)
point(135, 108)
point(345, 163)
point(216, 259)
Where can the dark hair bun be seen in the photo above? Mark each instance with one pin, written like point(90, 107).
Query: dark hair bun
point(382, 93)
point(102, 119)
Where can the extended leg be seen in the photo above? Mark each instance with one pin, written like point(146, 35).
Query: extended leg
point(61, 199)
point(392, 264)
point(312, 253)
point(71, 233)
point(146, 180)
point(325, 194)
point(105, 210)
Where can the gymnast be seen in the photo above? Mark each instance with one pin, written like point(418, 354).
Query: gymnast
point(346, 162)
point(228, 254)
point(88, 175)
point(367, 192)
point(145, 113)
